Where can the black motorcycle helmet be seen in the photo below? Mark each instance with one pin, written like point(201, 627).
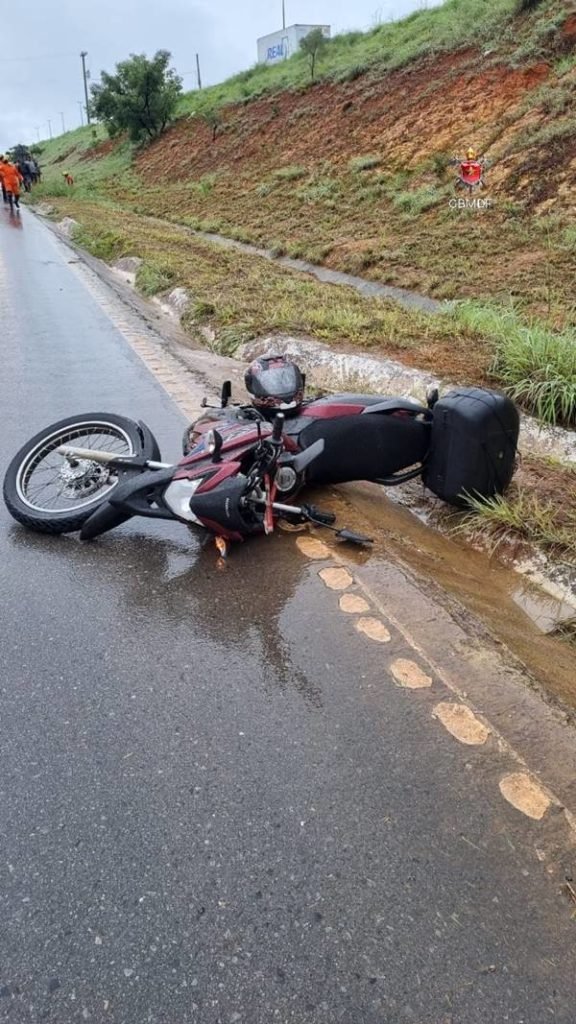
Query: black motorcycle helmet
point(275, 384)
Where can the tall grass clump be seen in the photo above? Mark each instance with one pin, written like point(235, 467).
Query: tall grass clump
point(522, 515)
point(293, 172)
point(364, 163)
point(536, 366)
point(416, 201)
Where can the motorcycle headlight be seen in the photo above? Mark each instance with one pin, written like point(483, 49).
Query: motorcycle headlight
point(177, 496)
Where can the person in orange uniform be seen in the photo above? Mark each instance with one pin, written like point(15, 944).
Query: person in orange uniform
point(11, 179)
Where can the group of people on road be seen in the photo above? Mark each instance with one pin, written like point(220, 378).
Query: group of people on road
point(13, 175)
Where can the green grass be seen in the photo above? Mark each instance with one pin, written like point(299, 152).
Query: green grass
point(456, 23)
point(78, 141)
point(364, 163)
point(319, 190)
point(204, 185)
point(537, 366)
point(414, 202)
point(106, 244)
point(521, 515)
point(290, 173)
point(151, 280)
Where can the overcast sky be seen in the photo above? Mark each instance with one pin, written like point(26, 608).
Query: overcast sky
point(40, 45)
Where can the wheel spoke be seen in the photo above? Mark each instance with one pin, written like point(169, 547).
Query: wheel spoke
point(47, 483)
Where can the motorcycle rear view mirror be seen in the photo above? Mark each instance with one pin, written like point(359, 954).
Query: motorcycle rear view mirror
point(226, 393)
point(214, 442)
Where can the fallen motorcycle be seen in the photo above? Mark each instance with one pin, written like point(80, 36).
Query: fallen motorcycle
point(241, 470)
point(94, 472)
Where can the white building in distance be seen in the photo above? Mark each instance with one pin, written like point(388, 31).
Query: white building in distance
point(280, 45)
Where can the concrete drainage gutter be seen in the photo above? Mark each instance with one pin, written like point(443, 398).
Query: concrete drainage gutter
point(357, 372)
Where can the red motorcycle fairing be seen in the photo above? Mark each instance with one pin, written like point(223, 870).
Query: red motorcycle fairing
point(238, 437)
point(328, 410)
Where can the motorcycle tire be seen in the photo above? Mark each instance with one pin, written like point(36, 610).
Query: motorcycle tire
point(66, 520)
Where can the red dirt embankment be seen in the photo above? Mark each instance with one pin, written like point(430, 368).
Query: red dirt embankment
point(438, 104)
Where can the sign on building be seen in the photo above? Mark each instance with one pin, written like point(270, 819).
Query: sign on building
point(281, 45)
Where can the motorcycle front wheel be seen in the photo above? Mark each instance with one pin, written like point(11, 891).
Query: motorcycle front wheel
point(46, 492)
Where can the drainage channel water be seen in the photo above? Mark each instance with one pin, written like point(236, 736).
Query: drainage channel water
point(514, 609)
point(413, 300)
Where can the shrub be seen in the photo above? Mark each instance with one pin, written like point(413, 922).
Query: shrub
point(291, 173)
point(104, 244)
point(150, 280)
point(324, 188)
point(364, 163)
point(413, 203)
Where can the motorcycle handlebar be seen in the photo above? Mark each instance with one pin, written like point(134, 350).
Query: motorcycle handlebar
point(278, 427)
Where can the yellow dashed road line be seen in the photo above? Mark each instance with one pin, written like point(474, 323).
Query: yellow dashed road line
point(520, 789)
point(352, 604)
point(461, 723)
point(524, 793)
point(374, 629)
point(336, 578)
point(409, 675)
point(313, 548)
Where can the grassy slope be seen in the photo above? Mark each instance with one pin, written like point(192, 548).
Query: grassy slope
point(351, 172)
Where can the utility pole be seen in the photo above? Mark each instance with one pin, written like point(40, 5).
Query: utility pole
point(283, 13)
point(37, 130)
point(84, 54)
point(198, 75)
point(50, 128)
point(63, 125)
point(80, 104)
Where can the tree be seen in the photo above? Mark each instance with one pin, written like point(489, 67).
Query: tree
point(139, 99)
point(312, 45)
point(18, 154)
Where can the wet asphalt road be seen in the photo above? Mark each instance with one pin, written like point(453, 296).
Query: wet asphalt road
point(214, 806)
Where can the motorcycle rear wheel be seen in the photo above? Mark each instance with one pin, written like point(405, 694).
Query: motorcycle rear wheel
point(45, 493)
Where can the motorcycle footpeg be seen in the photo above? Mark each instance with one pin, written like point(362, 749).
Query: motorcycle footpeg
point(326, 518)
point(354, 538)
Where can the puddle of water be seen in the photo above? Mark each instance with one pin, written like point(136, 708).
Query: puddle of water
point(515, 610)
point(545, 611)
